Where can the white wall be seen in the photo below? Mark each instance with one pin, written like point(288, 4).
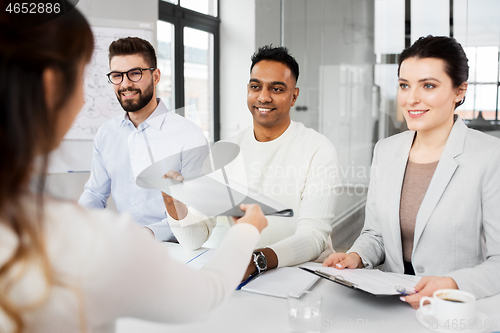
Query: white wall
point(268, 22)
point(237, 46)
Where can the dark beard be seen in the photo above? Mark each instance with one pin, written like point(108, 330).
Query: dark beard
point(144, 98)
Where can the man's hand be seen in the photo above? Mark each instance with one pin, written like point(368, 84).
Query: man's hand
point(176, 209)
point(343, 260)
point(427, 286)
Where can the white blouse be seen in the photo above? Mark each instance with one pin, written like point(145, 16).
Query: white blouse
point(110, 267)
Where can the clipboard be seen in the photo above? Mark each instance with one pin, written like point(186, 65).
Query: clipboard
point(371, 281)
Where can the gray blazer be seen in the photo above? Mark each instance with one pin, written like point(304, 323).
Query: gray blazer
point(457, 230)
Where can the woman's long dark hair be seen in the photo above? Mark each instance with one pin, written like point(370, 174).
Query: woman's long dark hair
point(28, 130)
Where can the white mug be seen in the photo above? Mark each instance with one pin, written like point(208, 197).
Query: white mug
point(453, 309)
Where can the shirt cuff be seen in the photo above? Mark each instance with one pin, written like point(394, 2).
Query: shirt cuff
point(192, 217)
point(283, 253)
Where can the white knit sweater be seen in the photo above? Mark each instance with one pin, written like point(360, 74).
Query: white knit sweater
point(298, 169)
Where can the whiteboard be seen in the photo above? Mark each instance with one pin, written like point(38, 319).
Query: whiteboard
point(75, 152)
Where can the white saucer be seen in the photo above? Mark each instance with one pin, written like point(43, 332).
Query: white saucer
point(481, 324)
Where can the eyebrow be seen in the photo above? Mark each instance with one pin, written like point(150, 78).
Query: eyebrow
point(117, 71)
point(272, 83)
point(421, 80)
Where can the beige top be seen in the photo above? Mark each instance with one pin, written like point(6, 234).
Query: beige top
point(415, 184)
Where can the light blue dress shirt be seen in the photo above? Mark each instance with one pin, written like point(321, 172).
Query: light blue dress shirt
point(122, 151)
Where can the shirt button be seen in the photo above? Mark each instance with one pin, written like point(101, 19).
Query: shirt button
point(419, 269)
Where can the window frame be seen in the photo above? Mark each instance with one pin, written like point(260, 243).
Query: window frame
point(180, 18)
point(475, 84)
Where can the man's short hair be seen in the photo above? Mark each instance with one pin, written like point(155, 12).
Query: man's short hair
point(276, 53)
point(133, 45)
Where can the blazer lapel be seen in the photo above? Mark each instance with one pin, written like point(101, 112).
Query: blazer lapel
point(442, 176)
point(397, 175)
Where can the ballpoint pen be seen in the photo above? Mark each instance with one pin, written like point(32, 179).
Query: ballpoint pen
point(250, 278)
point(405, 291)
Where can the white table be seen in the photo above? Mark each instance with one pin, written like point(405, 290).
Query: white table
point(344, 310)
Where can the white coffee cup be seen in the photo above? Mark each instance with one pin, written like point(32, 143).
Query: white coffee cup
point(453, 309)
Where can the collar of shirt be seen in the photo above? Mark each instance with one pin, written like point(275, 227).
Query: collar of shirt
point(155, 120)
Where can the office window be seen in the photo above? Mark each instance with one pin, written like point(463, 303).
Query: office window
point(188, 45)
point(476, 25)
point(482, 93)
point(165, 52)
point(207, 7)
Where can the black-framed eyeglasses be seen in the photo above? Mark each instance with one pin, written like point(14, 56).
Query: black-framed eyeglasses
point(134, 75)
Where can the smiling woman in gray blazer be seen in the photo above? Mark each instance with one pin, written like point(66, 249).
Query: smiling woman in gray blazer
point(433, 205)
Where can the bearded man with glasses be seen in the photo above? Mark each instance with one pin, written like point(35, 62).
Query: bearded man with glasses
point(146, 133)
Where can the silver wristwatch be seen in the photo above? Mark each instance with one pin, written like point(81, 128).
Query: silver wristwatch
point(260, 261)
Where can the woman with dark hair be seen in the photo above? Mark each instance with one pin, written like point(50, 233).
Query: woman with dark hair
point(64, 268)
point(434, 193)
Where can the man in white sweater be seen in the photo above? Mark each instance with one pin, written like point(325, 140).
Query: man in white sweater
point(283, 160)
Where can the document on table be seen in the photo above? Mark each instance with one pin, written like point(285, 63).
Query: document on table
point(281, 282)
point(210, 192)
point(372, 281)
point(201, 259)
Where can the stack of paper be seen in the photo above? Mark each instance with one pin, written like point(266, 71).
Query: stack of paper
point(281, 282)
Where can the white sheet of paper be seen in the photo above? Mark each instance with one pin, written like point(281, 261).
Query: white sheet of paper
point(281, 282)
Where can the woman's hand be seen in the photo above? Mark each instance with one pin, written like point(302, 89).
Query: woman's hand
point(343, 260)
point(253, 215)
point(427, 286)
point(176, 209)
